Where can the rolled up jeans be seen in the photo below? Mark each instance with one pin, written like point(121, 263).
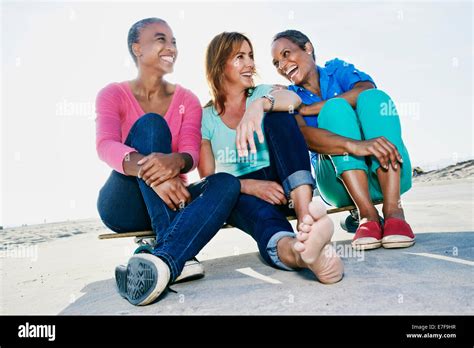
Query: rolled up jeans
point(290, 166)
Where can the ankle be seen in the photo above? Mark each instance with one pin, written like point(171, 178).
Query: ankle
point(286, 252)
point(301, 207)
point(301, 198)
point(371, 215)
point(364, 220)
point(393, 213)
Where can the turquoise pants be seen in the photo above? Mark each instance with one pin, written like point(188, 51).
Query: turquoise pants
point(375, 116)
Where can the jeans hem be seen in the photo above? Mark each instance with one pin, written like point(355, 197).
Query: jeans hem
point(273, 252)
point(298, 178)
point(170, 262)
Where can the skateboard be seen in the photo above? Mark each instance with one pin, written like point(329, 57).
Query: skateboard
point(146, 240)
point(193, 269)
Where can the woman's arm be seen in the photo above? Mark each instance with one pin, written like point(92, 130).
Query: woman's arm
point(269, 191)
point(351, 97)
point(125, 159)
point(325, 142)
point(157, 167)
point(109, 146)
point(207, 164)
point(285, 100)
point(251, 122)
point(189, 140)
point(130, 164)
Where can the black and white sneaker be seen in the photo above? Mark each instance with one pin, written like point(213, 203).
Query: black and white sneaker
point(192, 270)
point(143, 279)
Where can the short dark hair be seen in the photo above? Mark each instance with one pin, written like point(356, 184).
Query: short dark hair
point(295, 36)
point(135, 30)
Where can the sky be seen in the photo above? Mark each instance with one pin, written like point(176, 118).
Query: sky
point(57, 55)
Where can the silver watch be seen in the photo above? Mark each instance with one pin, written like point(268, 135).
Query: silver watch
point(272, 101)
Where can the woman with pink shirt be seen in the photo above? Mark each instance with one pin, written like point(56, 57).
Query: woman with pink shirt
point(149, 132)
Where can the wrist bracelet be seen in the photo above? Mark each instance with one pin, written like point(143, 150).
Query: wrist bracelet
point(272, 101)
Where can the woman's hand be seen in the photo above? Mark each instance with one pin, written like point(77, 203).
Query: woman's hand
point(157, 168)
point(381, 148)
point(311, 110)
point(251, 122)
point(173, 193)
point(269, 191)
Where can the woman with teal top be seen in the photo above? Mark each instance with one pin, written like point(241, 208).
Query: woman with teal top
point(354, 133)
point(277, 170)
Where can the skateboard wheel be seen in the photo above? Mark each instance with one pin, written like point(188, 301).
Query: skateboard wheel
point(144, 249)
point(349, 224)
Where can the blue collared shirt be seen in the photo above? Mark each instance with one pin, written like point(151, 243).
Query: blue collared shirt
point(335, 78)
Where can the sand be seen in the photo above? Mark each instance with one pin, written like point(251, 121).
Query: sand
point(460, 171)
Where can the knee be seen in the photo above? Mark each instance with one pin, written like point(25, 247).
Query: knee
point(278, 120)
point(337, 103)
point(372, 94)
point(228, 183)
point(332, 106)
point(105, 214)
point(151, 122)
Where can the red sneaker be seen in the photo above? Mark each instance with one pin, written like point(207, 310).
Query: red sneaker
point(368, 236)
point(397, 233)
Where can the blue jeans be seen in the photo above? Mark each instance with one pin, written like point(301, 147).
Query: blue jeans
point(290, 166)
point(127, 203)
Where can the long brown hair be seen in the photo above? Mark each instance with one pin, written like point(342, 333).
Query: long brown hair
point(218, 52)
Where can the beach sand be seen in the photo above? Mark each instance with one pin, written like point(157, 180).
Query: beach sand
point(48, 268)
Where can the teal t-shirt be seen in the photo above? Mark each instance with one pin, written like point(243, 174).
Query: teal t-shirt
point(222, 140)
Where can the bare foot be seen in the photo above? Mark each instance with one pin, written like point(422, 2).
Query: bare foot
point(314, 237)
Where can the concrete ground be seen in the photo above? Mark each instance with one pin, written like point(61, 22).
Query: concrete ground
point(75, 275)
point(382, 281)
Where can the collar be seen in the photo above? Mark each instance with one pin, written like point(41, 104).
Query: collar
point(323, 81)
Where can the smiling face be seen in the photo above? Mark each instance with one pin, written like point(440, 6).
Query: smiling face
point(156, 47)
point(240, 67)
point(291, 61)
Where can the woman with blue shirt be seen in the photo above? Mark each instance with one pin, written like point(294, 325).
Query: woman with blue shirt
point(354, 133)
point(277, 169)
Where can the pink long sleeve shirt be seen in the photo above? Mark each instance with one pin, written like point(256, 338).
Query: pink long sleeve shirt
point(117, 110)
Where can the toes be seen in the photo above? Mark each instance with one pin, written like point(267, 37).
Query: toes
point(308, 220)
point(305, 228)
point(317, 208)
point(302, 236)
point(299, 247)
